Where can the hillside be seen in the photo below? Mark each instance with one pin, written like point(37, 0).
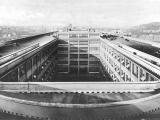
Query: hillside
point(150, 31)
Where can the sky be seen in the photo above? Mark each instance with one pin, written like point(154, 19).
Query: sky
point(96, 13)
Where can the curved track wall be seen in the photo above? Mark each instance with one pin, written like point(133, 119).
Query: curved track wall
point(116, 110)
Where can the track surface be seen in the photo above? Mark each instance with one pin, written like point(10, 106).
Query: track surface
point(97, 98)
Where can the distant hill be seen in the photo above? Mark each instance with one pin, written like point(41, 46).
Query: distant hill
point(149, 26)
point(16, 32)
point(145, 29)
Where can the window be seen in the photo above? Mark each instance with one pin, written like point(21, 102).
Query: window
point(83, 55)
point(83, 49)
point(22, 70)
point(34, 60)
point(62, 62)
point(92, 58)
point(73, 49)
point(96, 41)
point(123, 61)
point(63, 35)
point(13, 76)
point(94, 48)
point(123, 75)
point(128, 64)
point(152, 78)
point(62, 68)
point(94, 69)
point(83, 62)
point(63, 42)
point(73, 35)
point(73, 69)
point(83, 35)
point(73, 42)
point(73, 62)
point(60, 56)
point(135, 69)
point(83, 42)
point(83, 70)
point(142, 75)
point(62, 48)
point(94, 63)
point(147, 76)
point(94, 35)
point(73, 56)
point(28, 64)
point(128, 78)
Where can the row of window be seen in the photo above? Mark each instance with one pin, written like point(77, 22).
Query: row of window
point(75, 35)
point(111, 56)
point(32, 67)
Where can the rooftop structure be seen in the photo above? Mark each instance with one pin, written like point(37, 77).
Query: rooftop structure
point(77, 74)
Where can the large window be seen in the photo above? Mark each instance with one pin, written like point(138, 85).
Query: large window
point(62, 68)
point(63, 42)
point(73, 42)
point(63, 35)
point(73, 69)
point(73, 56)
point(94, 48)
point(83, 42)
point(123, 61)
point(73, 35)
point(135, 69)
point(83, 49)
point(73, 62)
point(73, 49)
point(96, 41)
point(83, 70)
point(94, 34)
point(83, 62)
point(94, 69)
point(83, 35)
point(83, 55)
point(128, 64)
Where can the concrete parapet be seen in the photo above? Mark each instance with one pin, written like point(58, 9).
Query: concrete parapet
point(80, 86)
point(113, 110)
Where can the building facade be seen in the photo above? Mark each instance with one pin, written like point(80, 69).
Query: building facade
point(78, 53)
point(125, 66)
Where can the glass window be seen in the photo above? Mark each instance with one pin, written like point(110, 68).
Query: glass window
point(73, 35)
point(73, 56)
point(94, 69)
point(134, 69)
point(73, 69)
point(83, 35)
point(73, 62)
point(83, 62)
point(96, 41)
point(152, 78)
point(62, 68)
point(62, 42)
point(83, 55)
point(94, 48)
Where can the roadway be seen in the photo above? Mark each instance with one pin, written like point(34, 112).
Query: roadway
point(74, 106)
point(15, 46)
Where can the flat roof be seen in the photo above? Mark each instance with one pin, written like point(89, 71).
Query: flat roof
point(15, 46)
point(146, 47)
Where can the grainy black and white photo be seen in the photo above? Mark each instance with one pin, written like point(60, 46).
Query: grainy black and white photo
point(79, 59)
